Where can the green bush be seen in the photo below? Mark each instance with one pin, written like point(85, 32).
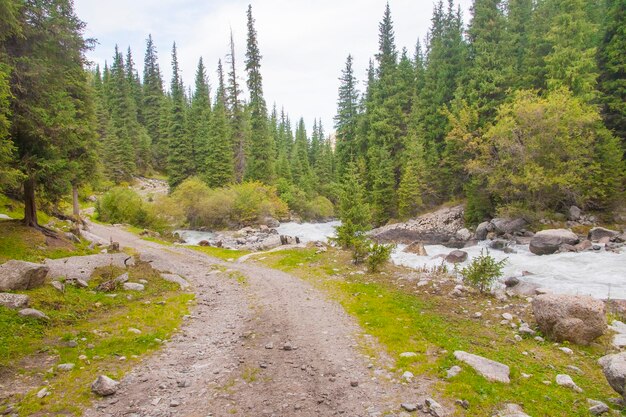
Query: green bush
point(319, 208)
point(482, 272)
point(237, 205)
point(122, 205)
point(305, 206)
point(379, 255)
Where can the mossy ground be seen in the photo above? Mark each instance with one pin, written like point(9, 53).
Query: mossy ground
point(98, 322)
point(426, 320)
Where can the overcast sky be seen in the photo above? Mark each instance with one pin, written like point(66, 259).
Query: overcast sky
point(304, 43)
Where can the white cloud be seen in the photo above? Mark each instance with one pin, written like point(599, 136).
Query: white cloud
point(304, 44)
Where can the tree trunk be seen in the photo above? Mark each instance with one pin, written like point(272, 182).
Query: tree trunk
point(75, 206)
point(30, 208)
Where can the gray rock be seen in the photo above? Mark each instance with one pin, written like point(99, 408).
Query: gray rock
point(508, 226)
point(43, 393)
point(492, 370)
point(104, 386)
point(598, 233)
point(463, 235)
point(14, 301)
point(578, 319)
point(408, 406)
point(547, 242)
point(122, 278)
point(177, 279)
point(133, 286)
point(408, 354)
point(482, 230)
point(525, 329)
point(434, 228)
point(565, 380)
point(58, 285)
point(574, 213)
point(614, 368)
point(435, 409)
point(454, 371)
point(456, 256)
point(416, 248)
point(66, 367)
point(511, 281)
point(20, 275)
point(597, 408)
point(31, 312)
point(512, 410)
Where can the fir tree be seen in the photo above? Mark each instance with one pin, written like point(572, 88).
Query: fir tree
point(219, 166)
point(199, 120)
point(152, 105)
point(612, 66)
point(180, 162)
point(236, 114)
point(346, 120)
point(261, 163)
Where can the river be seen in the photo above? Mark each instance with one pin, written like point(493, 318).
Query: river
point(600, 274)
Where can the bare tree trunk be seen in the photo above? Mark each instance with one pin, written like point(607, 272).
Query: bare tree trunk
point(75, 206)
point(30, 207)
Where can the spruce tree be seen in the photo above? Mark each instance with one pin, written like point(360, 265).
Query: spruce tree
point(346, 120)
point(152, 105)
point(412, 183)
point(261, 163)
point(612, 67)
point(199, 120)
point(180, 161)
point(236, 114)
point(219, 164)
point(354, 211)
point(118, 146)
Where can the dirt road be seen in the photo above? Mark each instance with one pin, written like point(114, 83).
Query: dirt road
point(266, 345)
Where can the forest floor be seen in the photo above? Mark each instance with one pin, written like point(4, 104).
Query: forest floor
point(258, 342)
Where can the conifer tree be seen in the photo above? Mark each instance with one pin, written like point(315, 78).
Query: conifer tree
point(346, 120)
point(354, 211)
point(152, 105)
point(261, 163)
point(236, 114)
point(612, 66)
point(199, 119)
point(219, 168)
point(119, 150)
point(180, 162)
point(412, 182)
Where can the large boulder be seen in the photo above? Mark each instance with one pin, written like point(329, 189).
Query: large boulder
point(614, 368)
point(456, 256)
point(436, 228)
point(574, 213)
point(416, 248)
point(20, 275)
point(547, 242)
point(508, 226)
point(574, 318)
point(598, 233)
point(482, 230)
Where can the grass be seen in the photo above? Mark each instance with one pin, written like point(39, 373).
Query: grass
point(220, 253)
point(406, 319)
point(28, 244)
point(99, 324)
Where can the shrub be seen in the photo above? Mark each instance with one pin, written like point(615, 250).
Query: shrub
point(319, 208)
point(122, 205)
point(379, 255)
point(482, 272)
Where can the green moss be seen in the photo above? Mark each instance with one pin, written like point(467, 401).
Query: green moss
point(434, 326)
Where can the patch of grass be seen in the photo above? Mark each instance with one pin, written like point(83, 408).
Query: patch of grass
point(99, 324)
point(250, 374)
point(404, 318)
point(220, 253)
point(27, 244)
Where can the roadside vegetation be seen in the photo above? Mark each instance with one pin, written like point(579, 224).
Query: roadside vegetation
point(89, 328)
point(426, 320)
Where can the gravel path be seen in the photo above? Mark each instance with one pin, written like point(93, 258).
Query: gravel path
point(269, 345)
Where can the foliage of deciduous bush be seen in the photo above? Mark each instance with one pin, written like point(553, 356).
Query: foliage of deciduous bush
point(122, 205)
point(482, 272)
